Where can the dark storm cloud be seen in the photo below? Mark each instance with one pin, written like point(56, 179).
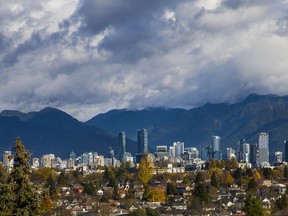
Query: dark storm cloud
point(90, 56)
point(98, 15)
point(132, 23)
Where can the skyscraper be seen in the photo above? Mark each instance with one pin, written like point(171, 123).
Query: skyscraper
point(246, 152)
point(111, 155)
point(254, 155)
point(286, 150)
point(178, 148)
point(243, 151)
point(240, 150)
point(122, 145)
point(263, 142)
point(230, 153)
point(142, 141)
point(216, 147)
point(8, 160)
point(278, 157)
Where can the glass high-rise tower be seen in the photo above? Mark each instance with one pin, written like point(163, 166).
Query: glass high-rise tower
point(122, 145)
point(142, 141)
point(216, 147)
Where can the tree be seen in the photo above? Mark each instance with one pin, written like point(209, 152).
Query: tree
point(253, 207)
point(267, 173)
point(285, 174)
point(201, 193)
point(214, 181)
point(249, 172)
point(237, 174)
point(51, 185)
point(252, 185)
point(144, 172)
point(170, 189)
point(157, 195)
point(228, 179)
point(21, 197)
point(62, 179)
point(89, 188)
point(146, 194)
point(199, 178)
point(186, 180)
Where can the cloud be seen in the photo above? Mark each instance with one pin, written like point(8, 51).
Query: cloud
point(91, 56)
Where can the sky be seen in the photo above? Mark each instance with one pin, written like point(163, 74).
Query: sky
point(86, 57)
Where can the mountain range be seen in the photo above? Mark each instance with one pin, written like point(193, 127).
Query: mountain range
point(195, 127)
point(54, 131)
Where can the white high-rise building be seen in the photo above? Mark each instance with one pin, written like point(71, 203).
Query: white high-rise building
point(263, 143)
point(8, 160)
point(230, 153)
point(246, 153)
point(278, 157)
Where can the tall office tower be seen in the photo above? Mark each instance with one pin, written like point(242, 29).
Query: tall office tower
point(205, 155)
point(216, 148)
point(246, 152)
point(240, 149)
point(46, 160)
point(243, 151)
point(254, 155)
point(142, 141)
point(230, 153)
point(111, 154)
point(122, 145)
point(72, 159)
point(90, 158)
point(263, 143)
point(84, 158)
point(286, 150)
point(178, 149)
point(278, 157)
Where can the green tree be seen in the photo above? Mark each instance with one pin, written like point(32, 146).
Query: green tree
point(62, 179)
point(253, 207)
point(237, 174)
point(199, 178)
point(146, 194)
point(201, 193)
point(115, 192)
point(285, 174)
point(89, 188)
point(214, 180)
point(249, 172)
point(186, 180)
point(252, 185)
point(144, 172)
point(51, 185)
point(170, 189)
point(21, 197)
point(267, 173)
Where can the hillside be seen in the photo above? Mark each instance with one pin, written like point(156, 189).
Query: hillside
point(196, 126)
point(53, 131)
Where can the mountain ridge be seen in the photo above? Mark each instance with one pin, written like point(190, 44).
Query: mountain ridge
point(51, 129)
point(195, 127)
